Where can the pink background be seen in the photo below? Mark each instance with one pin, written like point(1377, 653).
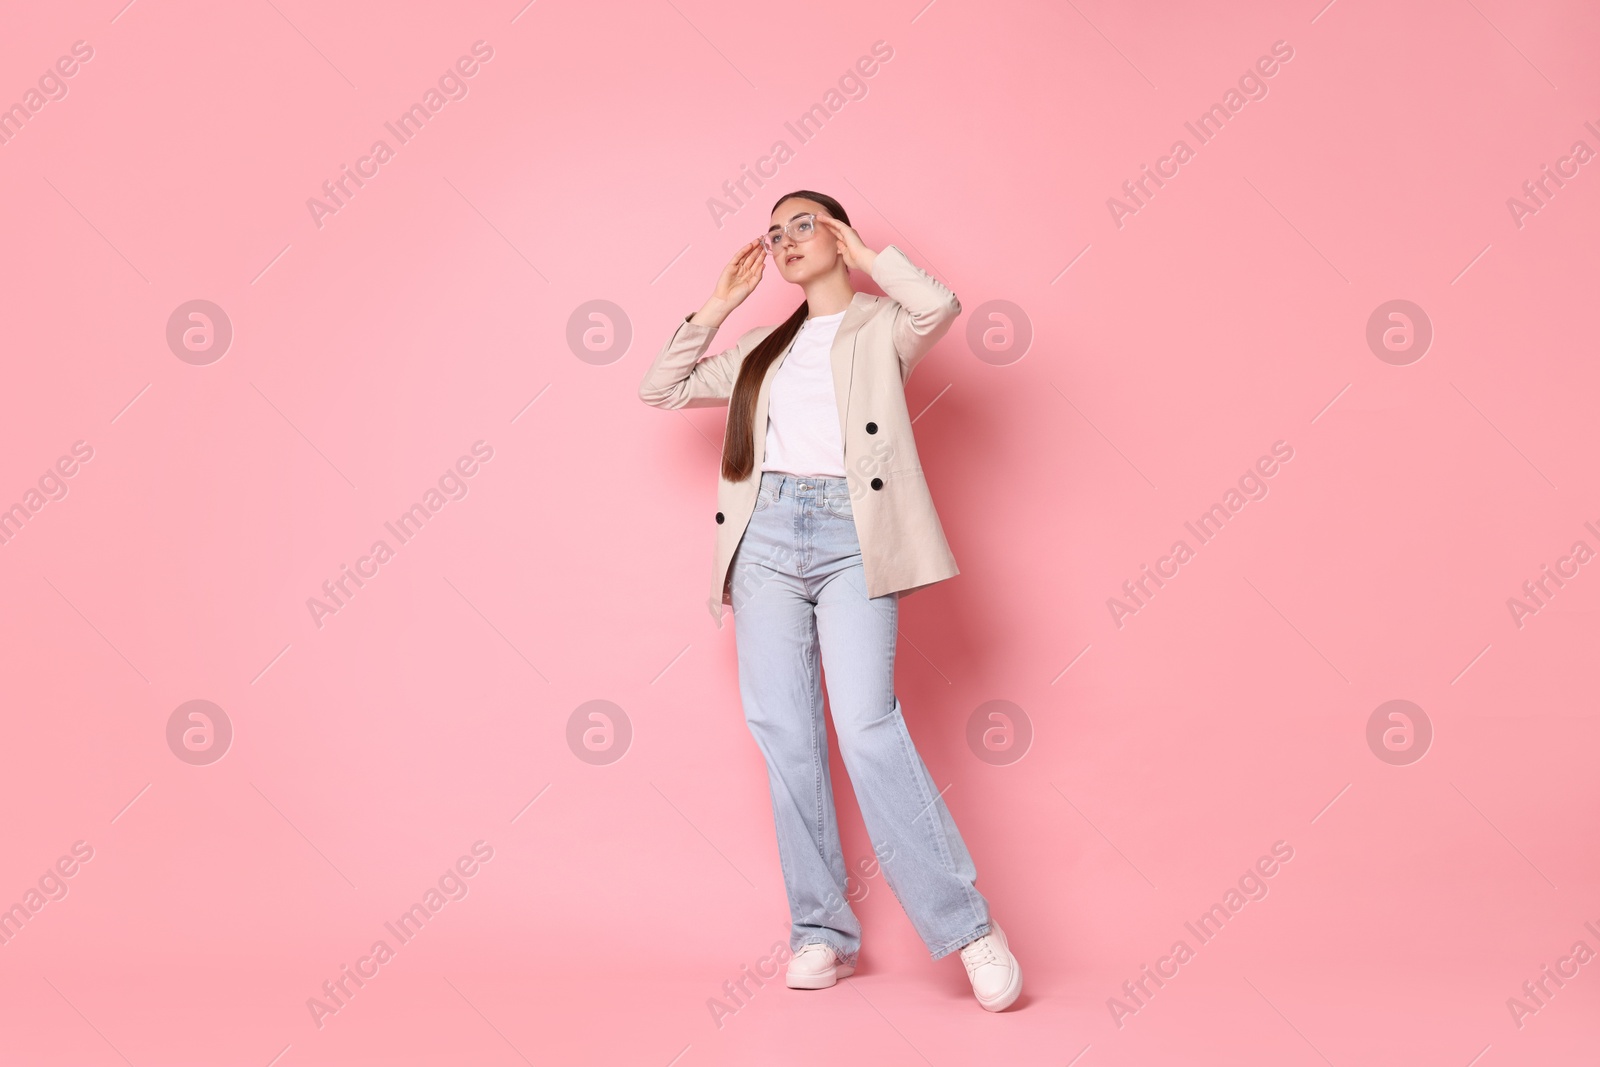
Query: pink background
point(433, 310)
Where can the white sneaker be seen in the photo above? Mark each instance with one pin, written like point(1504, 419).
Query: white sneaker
point(994, 972)
point(817, 966)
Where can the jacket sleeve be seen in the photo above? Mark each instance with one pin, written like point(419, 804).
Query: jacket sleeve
point(926, 307)
point(679, 378)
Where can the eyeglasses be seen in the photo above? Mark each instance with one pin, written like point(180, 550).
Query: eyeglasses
point(800, 229)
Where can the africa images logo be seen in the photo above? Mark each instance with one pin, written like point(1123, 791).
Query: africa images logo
point(452, 485)
point(452, 85)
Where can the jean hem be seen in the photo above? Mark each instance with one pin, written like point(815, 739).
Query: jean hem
point(962, 941)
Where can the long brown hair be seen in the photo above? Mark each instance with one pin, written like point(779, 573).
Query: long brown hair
point(739, 443)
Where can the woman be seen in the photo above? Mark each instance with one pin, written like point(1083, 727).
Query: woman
point(824, 522)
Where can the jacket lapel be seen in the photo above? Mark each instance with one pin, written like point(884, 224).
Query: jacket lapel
point(843, 355)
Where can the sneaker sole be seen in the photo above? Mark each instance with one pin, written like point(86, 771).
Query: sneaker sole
point(1011, 993)
point(822, 981)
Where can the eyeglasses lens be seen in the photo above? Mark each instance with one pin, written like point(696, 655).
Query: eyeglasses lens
point(801, 229)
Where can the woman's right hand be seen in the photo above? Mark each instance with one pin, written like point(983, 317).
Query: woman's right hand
point(740, 276)
point(738, 281)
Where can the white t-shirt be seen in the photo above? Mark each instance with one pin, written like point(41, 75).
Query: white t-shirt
point(802, 408)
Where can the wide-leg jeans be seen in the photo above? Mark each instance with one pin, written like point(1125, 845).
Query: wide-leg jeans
point(800, 604)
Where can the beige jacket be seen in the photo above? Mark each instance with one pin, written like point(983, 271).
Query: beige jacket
point(879, 342)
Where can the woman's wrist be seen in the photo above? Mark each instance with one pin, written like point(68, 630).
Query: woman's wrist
point(712, 313)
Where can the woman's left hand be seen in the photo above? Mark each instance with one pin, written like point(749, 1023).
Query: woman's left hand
point(857, 256)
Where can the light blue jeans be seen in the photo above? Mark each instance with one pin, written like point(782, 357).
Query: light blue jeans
point(800, 603)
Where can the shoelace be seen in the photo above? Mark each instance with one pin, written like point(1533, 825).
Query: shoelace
point(979, 953)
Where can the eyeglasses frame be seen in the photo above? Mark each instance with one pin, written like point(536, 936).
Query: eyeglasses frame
point(784, 234)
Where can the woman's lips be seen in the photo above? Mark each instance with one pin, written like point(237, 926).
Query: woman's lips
point(791, 259)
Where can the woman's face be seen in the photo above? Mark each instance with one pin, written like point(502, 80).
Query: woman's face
point(800, 261)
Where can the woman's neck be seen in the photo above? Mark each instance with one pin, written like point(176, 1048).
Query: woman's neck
point(829, 294)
